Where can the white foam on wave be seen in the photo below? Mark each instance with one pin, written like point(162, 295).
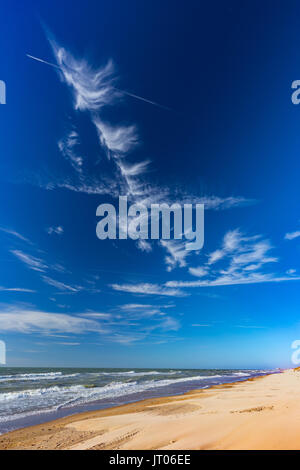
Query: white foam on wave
point(133, 373)
point(19, 403)
point(34, 377)
point(241, 374)
point(62, 396)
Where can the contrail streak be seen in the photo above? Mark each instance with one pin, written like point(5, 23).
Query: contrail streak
point(43, 61)
point(143, 99)
point(132, 95)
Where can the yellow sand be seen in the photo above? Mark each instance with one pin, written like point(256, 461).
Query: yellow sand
point(262, 413)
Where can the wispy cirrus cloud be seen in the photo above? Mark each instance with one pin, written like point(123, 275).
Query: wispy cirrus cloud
point(34, 263)
point(256, 327)
point(95, 315)
point(55, 230)
point(63, 343)
point(16, 289)
point(147, 312)
point(217, 203)
point(233, 242)
point(94, 88)
point(144, 245)
point(144, 306)
point(292, 235)
point(152, 316)
point(243, 250)
point(116, 139)
point(240, 260)
point(61, 285)
point(231, 281)
point(135, 322)
point(148, 289)
point(126, 339)
point(68, 147)
point(200, 271)
point(177, 253)
point(91, 186)
point(18, 320)
point(15, 234)
point(169, 324)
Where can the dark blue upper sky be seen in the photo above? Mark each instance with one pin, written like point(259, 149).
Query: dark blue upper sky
point(69, 142)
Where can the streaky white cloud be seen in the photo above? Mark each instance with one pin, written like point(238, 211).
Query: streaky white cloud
point(87, 186)
point(16, 289)
point(215, 256)
point(57, 230)
point(61, 285)
point(148, 313)
point(100, 315)
point(249, 252)
point(291, 271)
point(92, 88)
point(37, 264)
point(232, 242)
point(216, 202)
point(148, 193)
point(144, 245)
point(245, 257)
point(231, 281)
point(58, 267)
point(147, 289)
point(292, 235)
point(198, 272)
point(15, 234)
point(30, 321)
point(133, 169)
point(126, 339)
point(254, 253)
point(67, 146)
point(144, 311)
point(117, 139)
point(250, 326)
point(67, 344)
point(169, 324)
point(177, 253)
point(95, 88)
point(233, 239)
point(135, 306)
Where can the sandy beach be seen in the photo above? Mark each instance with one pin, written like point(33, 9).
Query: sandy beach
point(259, 413)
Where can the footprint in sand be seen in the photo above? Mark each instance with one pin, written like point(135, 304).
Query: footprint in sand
point(253, 410)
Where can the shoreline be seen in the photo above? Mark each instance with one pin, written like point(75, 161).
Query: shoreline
point(256, 413)
point(158, 384)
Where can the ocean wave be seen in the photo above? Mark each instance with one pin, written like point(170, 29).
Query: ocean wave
point(241, 374)
point(112, 389)
point(15, 404)
point(133, 373)
point(34, 377)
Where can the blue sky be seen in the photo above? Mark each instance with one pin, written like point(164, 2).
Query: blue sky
point(70, 140)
